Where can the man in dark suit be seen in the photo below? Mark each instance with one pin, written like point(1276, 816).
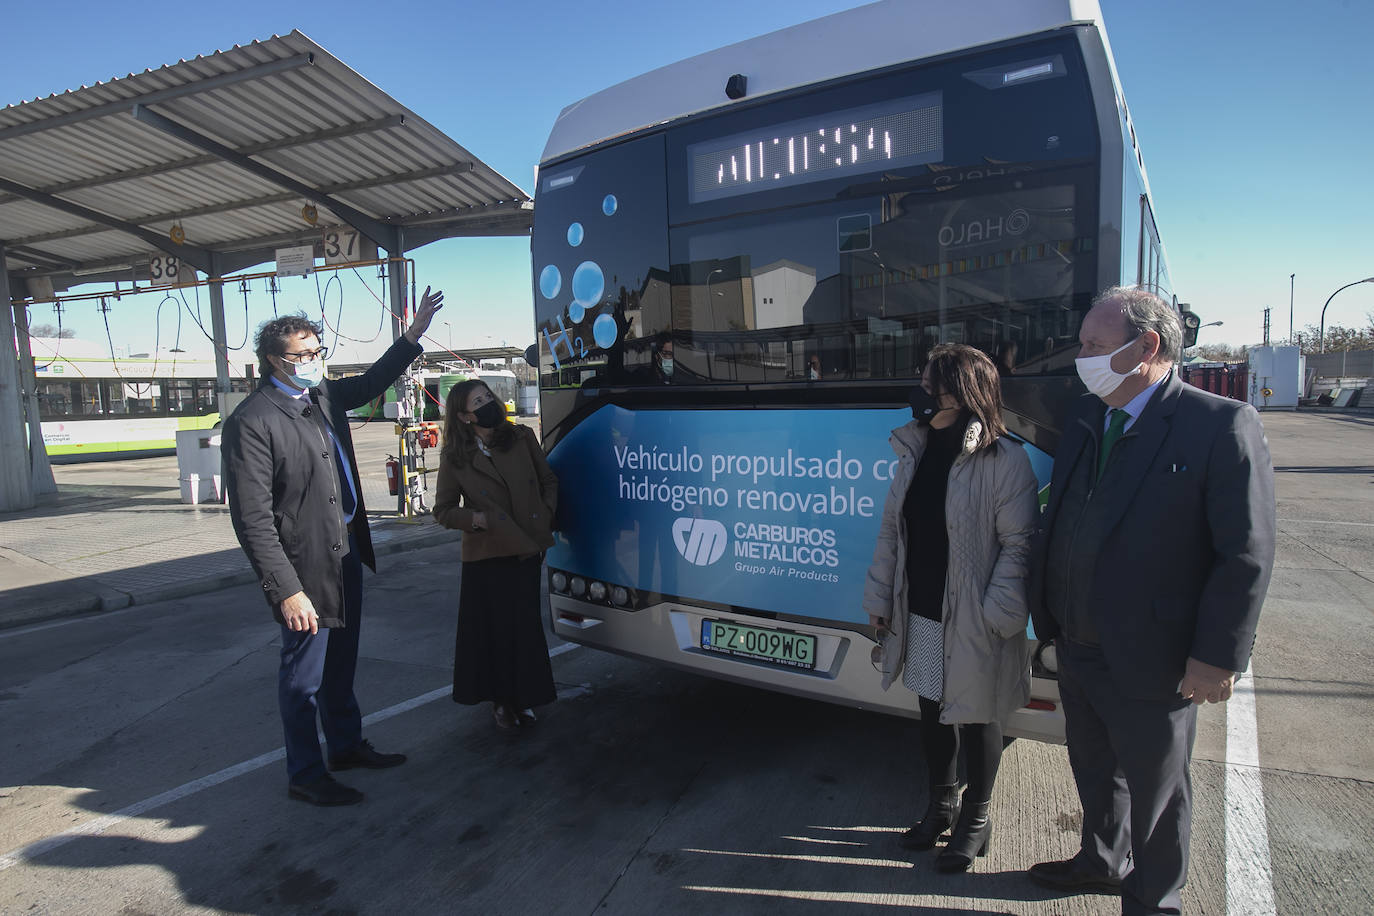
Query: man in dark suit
point(1155, 554)
point(297, 509)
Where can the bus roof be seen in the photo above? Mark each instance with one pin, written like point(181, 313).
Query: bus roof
point(870, 37)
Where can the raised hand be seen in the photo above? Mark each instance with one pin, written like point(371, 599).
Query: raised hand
point(424, 314)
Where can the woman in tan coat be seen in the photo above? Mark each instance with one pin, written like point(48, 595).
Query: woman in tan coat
point(496, 487)
point(947, 588)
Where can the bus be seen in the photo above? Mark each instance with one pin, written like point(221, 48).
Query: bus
point(803, 216)
point(437, 383)
point(93, 406)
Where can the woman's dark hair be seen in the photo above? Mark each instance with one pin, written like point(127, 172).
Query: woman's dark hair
point(460, 442)
point(273, 336)
point(971, 378)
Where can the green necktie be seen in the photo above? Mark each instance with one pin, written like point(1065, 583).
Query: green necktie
point(1114, 430)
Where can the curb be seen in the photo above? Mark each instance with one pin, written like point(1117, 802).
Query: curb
point(95, 597)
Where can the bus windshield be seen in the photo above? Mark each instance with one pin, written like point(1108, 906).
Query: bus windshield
point(833, 237)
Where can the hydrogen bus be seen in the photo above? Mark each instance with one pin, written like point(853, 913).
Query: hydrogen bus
point(802, 216)
point(94, 407)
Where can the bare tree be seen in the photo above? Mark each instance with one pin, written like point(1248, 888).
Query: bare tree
point(48, 330)
point(1337, 338)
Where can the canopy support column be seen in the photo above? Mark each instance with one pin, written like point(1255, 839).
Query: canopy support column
point(396, 280)
point(41, 469)
point(16, 476)
point(221, 344)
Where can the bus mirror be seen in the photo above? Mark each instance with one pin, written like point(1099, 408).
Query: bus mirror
point(532, 354)
point(1191, 322)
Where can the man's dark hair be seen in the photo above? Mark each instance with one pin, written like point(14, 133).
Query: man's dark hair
point(272, 338)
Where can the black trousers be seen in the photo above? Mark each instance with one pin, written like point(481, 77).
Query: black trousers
point(982, 744)
point(1130, 761)
point(316, 677)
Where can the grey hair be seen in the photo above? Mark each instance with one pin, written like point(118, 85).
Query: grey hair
point(1144, 311)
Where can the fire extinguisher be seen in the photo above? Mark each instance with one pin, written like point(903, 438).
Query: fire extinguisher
point(393, 474)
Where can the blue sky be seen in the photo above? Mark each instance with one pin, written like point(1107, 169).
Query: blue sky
point(1254, 118)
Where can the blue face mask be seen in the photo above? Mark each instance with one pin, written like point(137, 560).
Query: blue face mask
point(306, 375)
point(667, 364)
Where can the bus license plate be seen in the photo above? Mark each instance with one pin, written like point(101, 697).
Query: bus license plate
point(780, 647)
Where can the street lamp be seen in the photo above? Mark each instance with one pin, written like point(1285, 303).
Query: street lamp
point(709, 301)
point(1198, 332)
point(1290, 307)
point(1321, 334)
point(450, 336)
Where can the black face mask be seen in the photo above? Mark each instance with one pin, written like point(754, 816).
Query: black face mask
point(924, 406)
point(490, 415)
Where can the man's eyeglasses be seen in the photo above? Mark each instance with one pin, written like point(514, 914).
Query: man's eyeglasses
point(306, 356)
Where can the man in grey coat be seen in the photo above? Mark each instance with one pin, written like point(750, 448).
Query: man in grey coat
point(297, 510)
point(1154, 557)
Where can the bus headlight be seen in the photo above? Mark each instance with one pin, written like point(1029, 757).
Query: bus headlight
point(579, 586)
point(559, 581)
point(596, 591)
point(620, 596)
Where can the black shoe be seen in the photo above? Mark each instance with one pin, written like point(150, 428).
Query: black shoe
point(971, 837)
point(365, 755)
point(506, 718)
point(941, 813)
point(526, 718)
point(324, 791)
point(1071, 875)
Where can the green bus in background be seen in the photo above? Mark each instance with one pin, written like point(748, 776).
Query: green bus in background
point(437, 384)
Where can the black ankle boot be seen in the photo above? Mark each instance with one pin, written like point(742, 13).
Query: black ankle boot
point(941, 813)
point(971, 837)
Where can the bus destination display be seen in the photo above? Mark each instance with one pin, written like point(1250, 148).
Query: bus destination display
point(894, 134)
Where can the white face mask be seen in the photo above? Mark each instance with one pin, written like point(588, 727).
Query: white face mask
point(1097, 372)
point(306, 375)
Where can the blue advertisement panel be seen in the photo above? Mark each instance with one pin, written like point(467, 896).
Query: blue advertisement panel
point(774, 510)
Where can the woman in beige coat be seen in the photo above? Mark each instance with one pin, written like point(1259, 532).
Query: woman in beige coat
point(946, 588)
point(496, 487)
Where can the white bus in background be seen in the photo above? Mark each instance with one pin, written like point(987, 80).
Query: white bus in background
point(95, 406)
point(504, 386)
point(801, 217)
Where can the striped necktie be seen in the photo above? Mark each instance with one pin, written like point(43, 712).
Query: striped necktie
point(1114, 430)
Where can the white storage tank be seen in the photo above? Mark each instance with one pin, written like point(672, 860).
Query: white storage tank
point(1275, 377)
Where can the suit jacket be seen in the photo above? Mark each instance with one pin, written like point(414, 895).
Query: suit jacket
point(1184, 561)
point(516, 489)
point(284, 488)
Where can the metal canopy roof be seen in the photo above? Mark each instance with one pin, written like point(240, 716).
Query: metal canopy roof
point(232, 149)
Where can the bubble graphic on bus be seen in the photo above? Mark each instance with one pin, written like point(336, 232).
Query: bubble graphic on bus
point(588, 284)
point(610, 205)
point(576, 312)
point(604, 331)
point(550, 281)
point(575, 234)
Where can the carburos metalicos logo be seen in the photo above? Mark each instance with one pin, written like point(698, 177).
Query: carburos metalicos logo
point(701, 541)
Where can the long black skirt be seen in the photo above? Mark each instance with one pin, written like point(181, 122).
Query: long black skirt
point(500, 653)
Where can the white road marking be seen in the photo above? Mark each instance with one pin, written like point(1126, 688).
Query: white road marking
point(1326, 521)
point(105, 822)
point(1249, 877)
